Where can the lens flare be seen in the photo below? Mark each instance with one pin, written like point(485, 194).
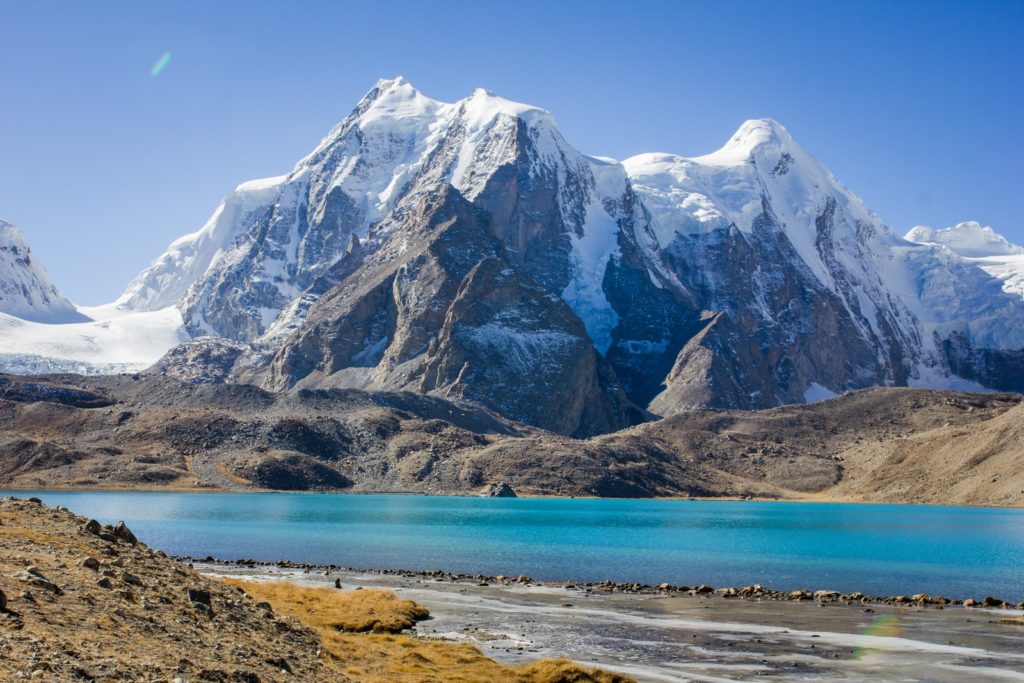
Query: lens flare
point(160, 65)
point(886, 625)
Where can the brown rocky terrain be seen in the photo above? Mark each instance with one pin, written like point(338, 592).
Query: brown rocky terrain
point(95, 606)
point(84, 602)
point(152, 431)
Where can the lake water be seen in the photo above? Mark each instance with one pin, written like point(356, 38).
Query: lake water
point(876, 549)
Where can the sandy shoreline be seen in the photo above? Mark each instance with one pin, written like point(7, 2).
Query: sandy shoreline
point(671, 636)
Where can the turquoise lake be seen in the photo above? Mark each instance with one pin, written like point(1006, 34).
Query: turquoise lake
point(877, 549)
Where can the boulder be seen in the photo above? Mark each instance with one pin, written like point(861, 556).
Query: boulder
point(124, 533)
point(199, 596)
point(93, 527)
point(90, 563)
point(3, 602)
point(34, 576)
point(131, 579)
point(502, 490)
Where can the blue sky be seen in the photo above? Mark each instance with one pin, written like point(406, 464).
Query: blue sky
point(916, 106)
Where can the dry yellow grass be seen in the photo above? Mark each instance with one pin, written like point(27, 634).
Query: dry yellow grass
point(355, 611)
point(355, 626)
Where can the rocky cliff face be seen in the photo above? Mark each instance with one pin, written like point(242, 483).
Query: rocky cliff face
point(468, 250)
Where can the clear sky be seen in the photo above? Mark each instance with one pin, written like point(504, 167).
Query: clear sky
point(916, 106)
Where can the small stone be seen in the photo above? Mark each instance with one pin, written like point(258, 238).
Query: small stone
point(3, 602)
point(103, 582)
point(130, 578)
point(90, 563)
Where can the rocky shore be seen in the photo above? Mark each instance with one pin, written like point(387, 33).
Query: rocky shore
point(658, 634)
point(755, 592)
point(83, 601)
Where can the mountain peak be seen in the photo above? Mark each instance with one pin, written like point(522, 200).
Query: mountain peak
point(10, 235)
point(969, 238)
point(26, 291)
point(752, 135)
point(387, 83)
point(483, 105)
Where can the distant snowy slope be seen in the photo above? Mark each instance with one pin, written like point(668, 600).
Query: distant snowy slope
point(982, 246)
point(969, 239)
point(26, 291)
point(113, 341)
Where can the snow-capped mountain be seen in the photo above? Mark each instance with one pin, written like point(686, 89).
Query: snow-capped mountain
point(26, 291)
point(42, 332)
point(981, 246)
point(467, 249)
point(900, 303)
point(275, 245)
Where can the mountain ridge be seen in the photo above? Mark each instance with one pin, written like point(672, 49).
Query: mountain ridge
point(746, 278)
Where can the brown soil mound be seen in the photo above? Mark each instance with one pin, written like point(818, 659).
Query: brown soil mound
point(891, 445)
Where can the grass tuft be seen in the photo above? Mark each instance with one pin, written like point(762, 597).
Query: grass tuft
point(360, 633)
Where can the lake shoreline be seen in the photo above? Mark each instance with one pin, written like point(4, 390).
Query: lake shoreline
point(883, 552)
point(671, 636)
point(754, 592)
point(813, 498)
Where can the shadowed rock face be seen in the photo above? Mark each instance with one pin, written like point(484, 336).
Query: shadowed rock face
point(1001, 370)
point(770, 329)
point(513, 345)
point(449, 316)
